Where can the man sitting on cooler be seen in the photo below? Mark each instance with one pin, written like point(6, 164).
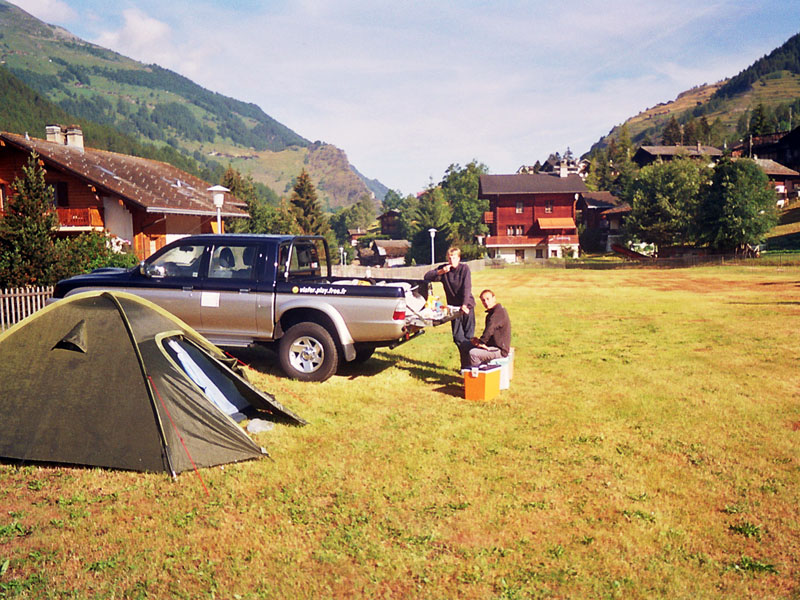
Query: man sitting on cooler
point(495, 341)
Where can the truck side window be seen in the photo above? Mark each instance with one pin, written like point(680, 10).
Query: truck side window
point(304, 261)
point(232, 262)
point(180, 261)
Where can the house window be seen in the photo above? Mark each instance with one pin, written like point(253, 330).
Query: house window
point(2, 197)
point(539, 253)
point(548, 206)
point(519, 207)
point(519, 230)
point(509, 230)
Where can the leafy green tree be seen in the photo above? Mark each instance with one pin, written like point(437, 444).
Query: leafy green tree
point(27, 251)
point(408, 216)
point(392, 201)
point(664, 202)
point(460, 189)
point(86, 252)
point(265, 217)
point(432, 212)
point(306, 207)
point(359, 215)
point(738, 208)
point(672, 134)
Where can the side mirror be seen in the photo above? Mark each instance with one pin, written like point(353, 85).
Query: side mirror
point(151, 270)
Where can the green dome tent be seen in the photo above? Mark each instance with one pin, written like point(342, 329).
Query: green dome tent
point(112, 380)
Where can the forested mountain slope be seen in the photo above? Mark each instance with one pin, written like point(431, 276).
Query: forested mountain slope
point(722, 112)
point(158, 108)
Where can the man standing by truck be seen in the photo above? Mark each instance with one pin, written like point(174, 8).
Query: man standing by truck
point(456, 279)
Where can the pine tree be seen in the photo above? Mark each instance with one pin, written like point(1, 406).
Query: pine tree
point(672, 135)
point(306, 207)
point(27, 252)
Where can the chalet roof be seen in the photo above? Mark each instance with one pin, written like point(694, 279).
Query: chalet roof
point(156, 186)
point(771, 167)
point(600, 199)
point(391, 248)
point(672, 151)
point(536, 183)
point(389, 213)
point(621, 209)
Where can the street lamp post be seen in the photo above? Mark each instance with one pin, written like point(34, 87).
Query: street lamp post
point(341, 255)
point(432, 231)
point(219, 198)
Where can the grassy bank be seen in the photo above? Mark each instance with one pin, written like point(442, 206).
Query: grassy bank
point(648, 447)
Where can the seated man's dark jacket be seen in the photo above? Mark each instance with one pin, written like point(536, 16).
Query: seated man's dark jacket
point(497, 331)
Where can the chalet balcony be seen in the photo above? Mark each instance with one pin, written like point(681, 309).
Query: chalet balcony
point(79, 219)
point(553, 240)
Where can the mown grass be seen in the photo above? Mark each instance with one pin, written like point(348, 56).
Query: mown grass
point(648, 447)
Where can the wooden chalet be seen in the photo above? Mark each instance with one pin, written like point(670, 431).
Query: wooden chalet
point(391, 253)
point(355, 235)
point(390, 223)
point(144, 202)
point(531, 216)
point(602, 214)
point(646, 155)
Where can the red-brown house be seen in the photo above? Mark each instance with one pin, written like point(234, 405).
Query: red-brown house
point(144, 202)
point(531, 215)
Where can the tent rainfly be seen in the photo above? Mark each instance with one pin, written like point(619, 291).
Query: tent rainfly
point(112, 380)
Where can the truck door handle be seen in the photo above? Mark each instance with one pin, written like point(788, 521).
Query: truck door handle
point(244, 290)
point(187, 288)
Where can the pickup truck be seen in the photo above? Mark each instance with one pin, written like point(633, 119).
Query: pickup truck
point(243, 289)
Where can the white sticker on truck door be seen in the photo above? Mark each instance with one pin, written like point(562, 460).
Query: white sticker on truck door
point(209, 299)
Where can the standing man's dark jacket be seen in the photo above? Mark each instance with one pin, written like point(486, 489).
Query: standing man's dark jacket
point(457, 284)
point(497, 331)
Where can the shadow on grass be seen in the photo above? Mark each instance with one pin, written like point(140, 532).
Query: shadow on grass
point(265, 360)
point(447, 381)
point(259, 358)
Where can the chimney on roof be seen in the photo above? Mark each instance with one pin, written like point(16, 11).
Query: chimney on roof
point(563, 169)
point(56, 133)
point(698, 147)
point(75, 136)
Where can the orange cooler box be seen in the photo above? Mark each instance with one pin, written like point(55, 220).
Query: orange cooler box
point(485, 385)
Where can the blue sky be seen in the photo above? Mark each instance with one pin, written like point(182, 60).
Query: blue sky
point(408, 88)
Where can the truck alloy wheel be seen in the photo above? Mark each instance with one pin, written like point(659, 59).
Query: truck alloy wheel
point(307, 353)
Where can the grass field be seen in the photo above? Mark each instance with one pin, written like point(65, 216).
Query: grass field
point(647, 448)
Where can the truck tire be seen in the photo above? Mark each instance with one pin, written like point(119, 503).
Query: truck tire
point(307, 352)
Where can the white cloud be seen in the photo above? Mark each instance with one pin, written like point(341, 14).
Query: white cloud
point(141, 37)
point(49, 11)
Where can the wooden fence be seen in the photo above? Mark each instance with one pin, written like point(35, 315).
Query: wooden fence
point(18, 303)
